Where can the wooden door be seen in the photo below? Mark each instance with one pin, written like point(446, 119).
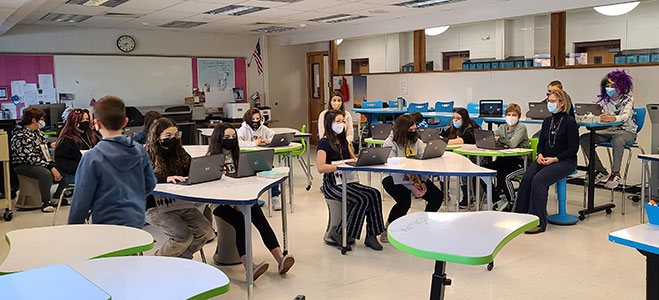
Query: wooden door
point(316, 91)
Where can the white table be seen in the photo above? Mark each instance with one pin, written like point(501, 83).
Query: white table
point(42, 246)
point(56, 282)
point(242, 192)
point(644, 238)
point(450, 164)
point(153, 277)
point(200, 150)
point(472, 238)
point(645, 159)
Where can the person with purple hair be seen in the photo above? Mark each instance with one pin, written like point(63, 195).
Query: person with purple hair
point(617, 106)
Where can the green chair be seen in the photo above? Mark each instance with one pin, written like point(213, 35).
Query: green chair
point(68, 188)
point(533, 144)
point(298, 154)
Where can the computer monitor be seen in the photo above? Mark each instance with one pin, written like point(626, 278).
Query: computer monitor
point(53, 115)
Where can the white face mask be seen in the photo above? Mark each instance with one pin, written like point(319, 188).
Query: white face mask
point(42, 124)
point(511, 120)
point(336, 105)
point(338, 128)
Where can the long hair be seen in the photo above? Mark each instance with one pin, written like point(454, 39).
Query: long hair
point(620, 79)
point(331, 136)
point(336, 94)
point(149, 117)
point(402, 124)
point(563, 96)
point(71, 130)
point(247, 117)
point(466, 123)
point(215, 143)
point(172, 163)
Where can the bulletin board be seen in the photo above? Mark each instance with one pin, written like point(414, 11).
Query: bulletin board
point(23, 67)
point(221, 79)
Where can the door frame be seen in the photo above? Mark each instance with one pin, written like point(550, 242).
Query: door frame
point(310, 118)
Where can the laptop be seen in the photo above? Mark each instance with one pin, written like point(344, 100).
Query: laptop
point(491, 108)
point(204, 169)
point(434, 149)
point(380, 131)
point(538, 111)
point(371, 156)
point(485, 140)
point(282, 139)
point(253, 162)
point(587, 108)
point(429, 134)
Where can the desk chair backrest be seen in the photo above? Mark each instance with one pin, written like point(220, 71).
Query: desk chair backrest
point(639, 117)
point(533, 143)
point(304, 144)
point(394, 103)
point(372, 104)
point(444, 106)
point(420, 107)
point(473, 108)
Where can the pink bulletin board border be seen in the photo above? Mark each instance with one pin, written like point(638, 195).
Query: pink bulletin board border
point(24, 67)
point(240, 69)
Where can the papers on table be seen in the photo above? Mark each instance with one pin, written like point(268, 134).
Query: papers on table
point(516, 150)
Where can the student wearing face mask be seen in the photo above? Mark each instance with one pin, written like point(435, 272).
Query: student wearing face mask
point(557, 158)
point(31, 157)
point(405, 142)
point(617, 106)
point(253, 133)
point(185, 226)
point(336, 103)
point(513, 135)
point(223, 140)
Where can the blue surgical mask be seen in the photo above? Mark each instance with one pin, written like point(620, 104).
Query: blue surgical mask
point(337, 128)
point(552, 107)
point(457, 124)
point(612, 92)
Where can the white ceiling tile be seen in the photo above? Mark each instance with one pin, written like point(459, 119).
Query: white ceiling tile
point(128, 10)
point(98, 21)
point(272, 13)
point(303, 16)
point(191, 6)
point(311, 5)
point(223, 2)
point(169, 16)
point(206, 18)
point(138, 24)
point(33, 17)
point(348, 8)
point(81, 9)
point(240, 20)
point(5, 13)
point(47, 7)
point(150, 4)
point(11, 3)
point(263, 3)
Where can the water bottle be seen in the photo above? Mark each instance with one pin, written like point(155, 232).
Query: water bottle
point(399, 103)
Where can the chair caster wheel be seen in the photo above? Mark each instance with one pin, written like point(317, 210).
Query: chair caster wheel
point(345, 250)
point(490, 266)
point(609, 211)
point(8, 215)
point(582, 217)
point(308, 187)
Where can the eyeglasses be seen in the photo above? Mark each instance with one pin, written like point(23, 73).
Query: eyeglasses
point(169, 135)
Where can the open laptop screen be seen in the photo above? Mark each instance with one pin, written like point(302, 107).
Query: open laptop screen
point(491, 108)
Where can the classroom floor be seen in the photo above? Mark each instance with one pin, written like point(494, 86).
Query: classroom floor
point(573, 262)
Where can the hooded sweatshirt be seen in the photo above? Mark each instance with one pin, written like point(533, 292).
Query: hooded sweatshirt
point(247, 136)
point(112, 181)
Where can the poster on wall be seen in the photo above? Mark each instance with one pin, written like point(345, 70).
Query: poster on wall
point(218, 79)
point(359, 90)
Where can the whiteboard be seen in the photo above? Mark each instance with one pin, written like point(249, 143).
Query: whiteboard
point(137, 80)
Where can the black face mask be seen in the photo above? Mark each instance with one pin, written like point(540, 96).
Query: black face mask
point(169, 143)
point(229, 144)
point(411, 135)
point(256, 125)
point(83, 125)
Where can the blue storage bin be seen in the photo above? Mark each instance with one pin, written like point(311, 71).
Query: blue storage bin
point(519, 64)
point(479, 66)
point(508, 65)
point(620, 59)
point(472, 66)
point(465, 66)
point(654, 58)
point(653, 213)
point(495, 65)
point(632, 59)
point(644, 58)
point(486, 66)
point(528, 63)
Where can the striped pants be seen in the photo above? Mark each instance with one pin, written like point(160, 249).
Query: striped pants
point(363, 202)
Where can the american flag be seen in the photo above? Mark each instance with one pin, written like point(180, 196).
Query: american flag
point(257, 57)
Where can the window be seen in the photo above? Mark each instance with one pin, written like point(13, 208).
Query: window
point(376, 54)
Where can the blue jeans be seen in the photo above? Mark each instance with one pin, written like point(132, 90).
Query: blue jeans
point(276, 191)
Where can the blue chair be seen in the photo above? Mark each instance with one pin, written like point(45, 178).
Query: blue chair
point(420, 107)
point(444, 106)
point(473, 108)
point(394, 103)
point(372, 104)
point(562, 217)
point(639, 118)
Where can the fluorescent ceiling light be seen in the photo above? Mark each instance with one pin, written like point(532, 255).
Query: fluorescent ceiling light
point(616, 9)
point(235, 10)
point(182, 24)
point(273, 29)
point(350, 18)
point(106, 3)
point(64, 18)
point(425, 3)
point(436, 30)
point(322, 19)
point(339, 41)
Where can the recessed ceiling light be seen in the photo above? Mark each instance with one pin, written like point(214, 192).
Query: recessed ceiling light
point(273, 29)
point(350, 18)
point(122, 15)
point(303, 25)
point(322, 19)
point(436, 30)
point(182, 24)
point(235, 10)
point(378, 11)
point(425, 3)
point(64, 18)
point(338, 18)
point(339, 41)
point(616, 9)
point(107, 3)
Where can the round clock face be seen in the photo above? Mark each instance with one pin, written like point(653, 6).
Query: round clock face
point(126, 43)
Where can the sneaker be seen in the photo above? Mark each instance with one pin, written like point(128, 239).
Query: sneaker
point(613, 182)
point(259, 270)
point(286, 264)
point(276, 203)
point(384, 238)
point(47, 208)
point(463, 203)
point(601, 177)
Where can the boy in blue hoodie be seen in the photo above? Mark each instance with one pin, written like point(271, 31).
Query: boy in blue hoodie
point(115, 177)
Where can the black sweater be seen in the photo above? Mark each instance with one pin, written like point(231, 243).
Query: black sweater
point(67, 156)
point(162, 178)
point(567, 138)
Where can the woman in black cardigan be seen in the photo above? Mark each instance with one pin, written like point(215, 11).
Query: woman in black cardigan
point(557, 158)
point(75, 136)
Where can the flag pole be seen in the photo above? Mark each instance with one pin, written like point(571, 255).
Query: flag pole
point(252, 57)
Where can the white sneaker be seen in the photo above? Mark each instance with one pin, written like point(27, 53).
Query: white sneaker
point(601, 178)
point(48, 209)
point(276, 202)
point(613, 182)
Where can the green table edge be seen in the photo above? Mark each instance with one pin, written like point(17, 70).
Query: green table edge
point(466, 260)
point(211, 293)
point(374, 142)
point(493, 154)
point(277, 151)
point(453, 147)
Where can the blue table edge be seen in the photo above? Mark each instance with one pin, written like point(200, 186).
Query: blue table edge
point(632, 244)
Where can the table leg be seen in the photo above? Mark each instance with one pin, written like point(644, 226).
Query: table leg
point(307, 140)
point(439, 281)
point(290, 180)
point(591, 183)
point(526, 160)
point(270, 203)
point(247, 212)
point(489, 192)
point(344, 213)
point(284, 223)
point(199, 142)
point(644, 164)
point(7, 185)
point(468, 192)
point(478, 186)
point(652, 275)
point(446, 191)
